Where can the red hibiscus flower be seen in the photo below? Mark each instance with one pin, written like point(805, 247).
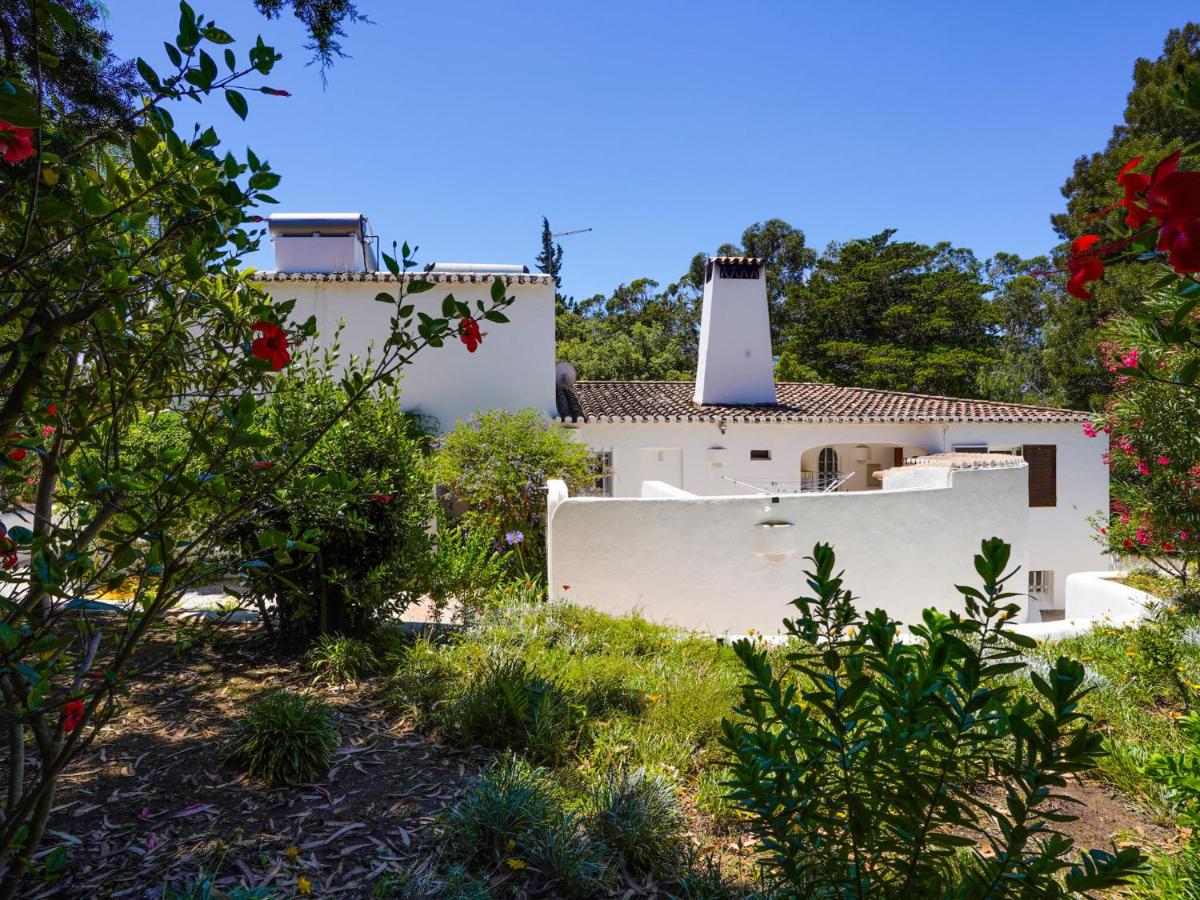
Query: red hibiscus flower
point(18, 142)
point(19, 454)
point(469, 334)
point(1084, 266)
point(52, 409)
point(272, 346)
point(72, 715)
point(1135, 184)
point(1174, 198)
point(8, 550)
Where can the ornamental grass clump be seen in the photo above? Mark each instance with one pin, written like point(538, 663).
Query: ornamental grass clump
point(638, 816)
point(284, 738)
point(859, 769)
point(340, 659)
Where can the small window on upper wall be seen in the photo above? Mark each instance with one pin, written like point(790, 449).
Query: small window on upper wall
point(760, 454)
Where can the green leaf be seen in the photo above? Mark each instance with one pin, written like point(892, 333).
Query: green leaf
point(148, 74)
point(494, 315)
point(385, 297)
point(419, 287)
point(237, 103)
point(498, 290)
point(217, 35)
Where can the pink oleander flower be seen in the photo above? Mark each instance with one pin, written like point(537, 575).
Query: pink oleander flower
point(1142, 468)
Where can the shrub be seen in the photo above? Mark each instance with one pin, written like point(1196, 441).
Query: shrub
point(465, 567)
point(499, 811)
point(421, 680)
point(639, 817)
point(341, 544)
point(284, 737)
point(512, 819)
point(340, 659)
point(498, 463)
point(508, 706)
point(1158, 646)
point(857, 774)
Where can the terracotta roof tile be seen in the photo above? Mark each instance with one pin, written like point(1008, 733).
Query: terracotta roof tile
point(434, 277)
point(671, 401)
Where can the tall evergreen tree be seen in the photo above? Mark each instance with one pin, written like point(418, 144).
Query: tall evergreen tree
point(549, 261)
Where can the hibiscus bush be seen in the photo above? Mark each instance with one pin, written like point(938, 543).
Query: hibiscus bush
point(122, 295)
point(340, 542)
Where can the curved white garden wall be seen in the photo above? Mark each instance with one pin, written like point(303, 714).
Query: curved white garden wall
point(704, 562)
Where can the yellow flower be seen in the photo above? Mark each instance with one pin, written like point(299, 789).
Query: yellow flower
point(515, 864)
point(654, 698)
point(509, 844)
point(293, 853)
point(303, 886)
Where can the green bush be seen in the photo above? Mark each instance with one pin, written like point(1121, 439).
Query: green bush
point(638, 816)
point(1158, 647)
point(858, 772)
point(500, 809)
point(284, 738)
point(507, 705)
point(342, 543)
point(340, 659)
point(497, 463)
point(464, 567)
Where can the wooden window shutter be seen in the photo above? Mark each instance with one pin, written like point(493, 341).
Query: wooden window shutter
point(1043, 473)
point(897, 456)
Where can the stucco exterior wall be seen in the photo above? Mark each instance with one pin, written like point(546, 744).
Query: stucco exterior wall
point(1060, 538)
point(512, 369)
point(706, 563)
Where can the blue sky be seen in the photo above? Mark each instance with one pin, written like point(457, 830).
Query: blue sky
point(669, 127)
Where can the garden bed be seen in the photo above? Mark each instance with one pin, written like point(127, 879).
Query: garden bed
point(151, 811)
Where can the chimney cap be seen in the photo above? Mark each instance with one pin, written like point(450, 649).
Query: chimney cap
point(737, 260)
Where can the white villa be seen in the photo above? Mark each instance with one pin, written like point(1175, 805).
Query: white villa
point(716, 490)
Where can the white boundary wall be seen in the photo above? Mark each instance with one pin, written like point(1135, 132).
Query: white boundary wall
point(705, 563)
point(1061, 539)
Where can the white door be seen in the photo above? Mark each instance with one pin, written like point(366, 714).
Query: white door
point(663, 464)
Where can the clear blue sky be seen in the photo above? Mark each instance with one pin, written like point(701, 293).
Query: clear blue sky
point(668, 127)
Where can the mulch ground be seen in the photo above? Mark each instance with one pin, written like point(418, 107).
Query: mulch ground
point(151, 807)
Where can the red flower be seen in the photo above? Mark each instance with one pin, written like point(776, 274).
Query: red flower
point(272, 346)
point(1174, 198)
point(18, 142)
point(1089, 430)
point(52, 409)
point(19, 454)
point(469, 334)
point(1168, 546)
point(72, 715)
point(1135, 183)
point(263, 464)
point(1127, 544)
point(382, 498)
point(1164, 460)
point(8, 550)
point(1084, 266)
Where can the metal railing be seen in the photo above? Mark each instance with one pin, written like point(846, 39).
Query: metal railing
point(805, 484)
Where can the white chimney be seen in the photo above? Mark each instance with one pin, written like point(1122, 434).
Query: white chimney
point(322, 242)
point(735, 365)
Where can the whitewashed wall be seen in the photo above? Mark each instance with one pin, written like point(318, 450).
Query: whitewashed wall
point(512, 369)
point(1061, 540)
point(699, 562)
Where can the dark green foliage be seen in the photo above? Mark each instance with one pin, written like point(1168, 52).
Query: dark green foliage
point(857, 766)
point(638, 816)
point(887, 314)
point(337, 659)
point(341, 543)
point(322, 19)
point(549, 260)
point(284, 738)
point(507, 705)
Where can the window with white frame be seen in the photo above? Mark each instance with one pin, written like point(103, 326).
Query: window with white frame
point(602, 472)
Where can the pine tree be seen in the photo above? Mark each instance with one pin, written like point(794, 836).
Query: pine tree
point(549, 261)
